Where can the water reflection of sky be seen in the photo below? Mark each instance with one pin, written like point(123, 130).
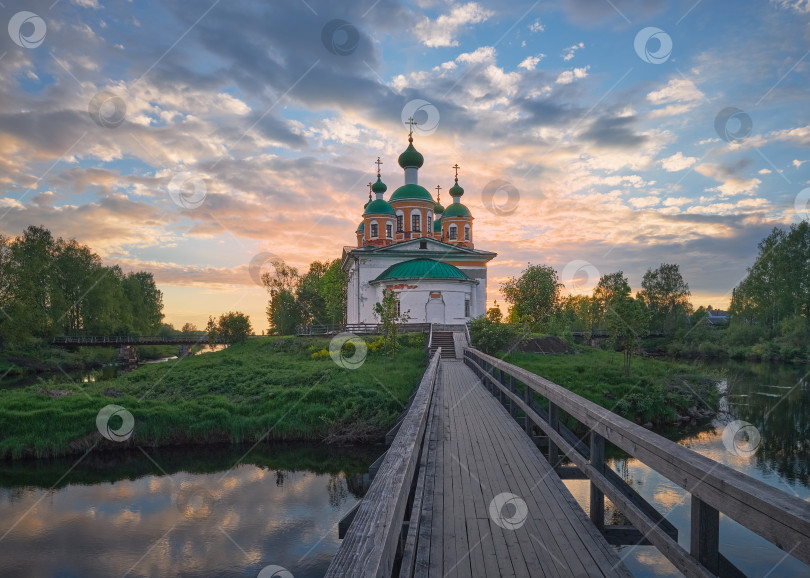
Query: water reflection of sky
point(226, 525)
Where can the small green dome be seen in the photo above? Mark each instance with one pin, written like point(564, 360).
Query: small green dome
point(379, 186)
point(411, 192)
point(456, 190)
point(422, 269)
point(438, 209)
point(379, 207)
point(361, 227)
point(456, 210)
point(437, 226)
point(411, 157)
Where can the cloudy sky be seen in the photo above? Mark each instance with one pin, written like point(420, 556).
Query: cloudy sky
point(187, 137)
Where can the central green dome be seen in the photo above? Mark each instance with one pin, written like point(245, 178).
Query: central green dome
point(379, 207)
point(437, 208)
point(411, 192)
point(411, 157)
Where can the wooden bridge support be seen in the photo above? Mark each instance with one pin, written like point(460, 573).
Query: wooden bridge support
point(184, 350)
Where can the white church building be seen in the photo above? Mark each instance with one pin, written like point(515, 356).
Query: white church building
point(423, 252)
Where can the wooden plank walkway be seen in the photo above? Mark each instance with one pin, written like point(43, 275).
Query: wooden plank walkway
point(476, 452)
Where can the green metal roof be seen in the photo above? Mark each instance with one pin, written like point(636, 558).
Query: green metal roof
point(437, 226)
point(422, 269)
point(438, 208)
point(361, 227)
point(411, 192)
point(411, 157)
point(379, 207)
point(456, 190)
point(379, 186)
point(456, 210)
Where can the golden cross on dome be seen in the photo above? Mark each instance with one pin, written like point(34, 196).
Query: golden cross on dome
point(378, 163)
point(411, 122)
point(369, 190)
point(438, 192)
point(455, 166)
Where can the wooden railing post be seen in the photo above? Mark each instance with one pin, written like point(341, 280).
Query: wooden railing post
point(597, 501)
point(554, 423)
point(705, 538)
point(527, 397)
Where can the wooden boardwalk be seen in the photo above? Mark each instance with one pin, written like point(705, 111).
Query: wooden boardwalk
point(475, 453)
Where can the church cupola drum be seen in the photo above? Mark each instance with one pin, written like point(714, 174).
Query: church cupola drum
point(410, 244)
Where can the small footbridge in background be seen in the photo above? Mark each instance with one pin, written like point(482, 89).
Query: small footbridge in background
point(465, 490)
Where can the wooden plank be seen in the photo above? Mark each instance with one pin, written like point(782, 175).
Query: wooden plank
point(370, 545)
point(422, 549)
point(705, 535)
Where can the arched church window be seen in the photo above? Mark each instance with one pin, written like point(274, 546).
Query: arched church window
point(374, 230)
point(453, 233)
point(415, 222)
point(466, 232)
point(388, 230)
point(399, 223)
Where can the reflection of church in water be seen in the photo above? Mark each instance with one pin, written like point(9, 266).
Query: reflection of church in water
point(417, 248)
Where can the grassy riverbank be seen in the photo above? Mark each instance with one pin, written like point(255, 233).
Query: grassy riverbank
point(268, 388)
point(657, 391)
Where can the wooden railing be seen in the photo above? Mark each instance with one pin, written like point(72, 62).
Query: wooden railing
point(782, 519)
point(117, 340)
point(379, 528)
point(358, 328)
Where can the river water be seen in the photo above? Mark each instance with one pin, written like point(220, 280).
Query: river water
point(233, 510)
point(213, 512)
point(774, 399)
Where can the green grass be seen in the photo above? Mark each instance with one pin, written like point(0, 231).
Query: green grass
point(656, 391)
point(268, 388)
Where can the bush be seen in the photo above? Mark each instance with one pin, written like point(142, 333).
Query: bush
point(490, 336)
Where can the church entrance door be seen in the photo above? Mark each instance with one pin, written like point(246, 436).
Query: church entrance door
point(434, 310)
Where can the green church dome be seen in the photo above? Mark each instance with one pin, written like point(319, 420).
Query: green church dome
point(411, 192)
point(438, 209)
point(456, 190)
point(456, 210)
point(411, 157)
point(379, 186)
point(422, 269)
point(361, 227)
point(437, 226)
point(379, 207)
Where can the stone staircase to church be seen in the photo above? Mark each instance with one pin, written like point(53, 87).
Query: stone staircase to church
point(445, 340)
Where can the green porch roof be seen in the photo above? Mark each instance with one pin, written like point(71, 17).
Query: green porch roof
point(422, 269)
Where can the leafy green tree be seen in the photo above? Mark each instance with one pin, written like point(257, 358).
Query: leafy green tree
point(188, 329)
point(666, 296)
point(283, 310)
point(309, 294)
point(777, 287)
point(212, 329)
point(533, 296)
point(333, 289)
point(234, 327)
point(390, 316)
point(145, 302)
point(625, 318)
